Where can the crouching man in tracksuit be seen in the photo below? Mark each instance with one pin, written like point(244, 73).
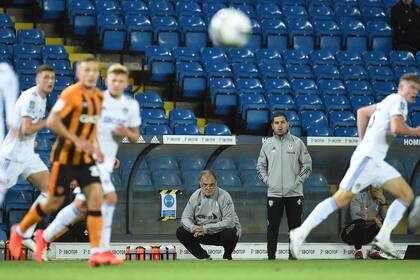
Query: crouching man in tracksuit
point(209, 218)
point(283, 165)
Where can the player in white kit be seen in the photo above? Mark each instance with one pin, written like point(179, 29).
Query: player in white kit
point(120, 118)
point(377, 125)
point(17, 156)
point(9, 91)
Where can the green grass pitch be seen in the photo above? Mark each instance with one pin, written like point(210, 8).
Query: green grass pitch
point(215, 270)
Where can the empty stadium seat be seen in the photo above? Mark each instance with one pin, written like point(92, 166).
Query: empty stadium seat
point(187, 129)
point(50, 52)
point(336, 103)
point(82, 16)
point(153, 116)
point(191, 78)
point(380, 73)
point(139, 32)
point(223, 95)
point(194, 31)
point(137, 7)
point(160, 62)
point(295, 57)
point(313, 119)
point(7, 36)
point(359, 88)
point(217, 129)
point(111, 31)
point(380, 35)
point(268, 10)
point(6, 21)
point(355, 72)
point(295, 71)
point(328, 35)
point(191, 180)
point(62, 67)
point(359, 101)
point(150, 100)
point(341, 119)
point(272, 69)
point(181, 116)
point(326, 72)
point(166, 31)
point(345, 131)
point(322, 57)
point(158, 129)
point(301, 34)
point(375, 58)
point(309, 102)
point(349, 58)
point(192, 163)
point(277, 86)
point(160, 162)
point(30, 36)
point(161, 8)
point(252, 183)
point(354, 35)
point(280, 102)
point(268, 55)
point(319, 131)
point(255, 112)
point(143, 182)
point(402, 58)
point(224, 163)
point(22, 51)
point(274, 33)
point(334, 87)
point(304, 87)
point(229, 181)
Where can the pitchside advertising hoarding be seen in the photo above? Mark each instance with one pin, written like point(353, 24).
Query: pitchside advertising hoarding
point(243, 251)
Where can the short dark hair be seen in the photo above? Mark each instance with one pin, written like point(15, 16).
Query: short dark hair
point(44, 68)
point(278, 114)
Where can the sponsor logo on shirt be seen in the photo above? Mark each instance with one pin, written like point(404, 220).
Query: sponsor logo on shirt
point(88, 119)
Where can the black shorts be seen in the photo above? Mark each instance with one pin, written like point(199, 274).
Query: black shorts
point(62, 175)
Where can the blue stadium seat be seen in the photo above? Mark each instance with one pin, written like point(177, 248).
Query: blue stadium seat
point(375, 58)
point(51, 99)
point(157, 129)
point(27, 67)
point(336, 103)
point(256, 37)
point(223, 96)
point(245, 70)
point(321, 13)
point(17, 200)
point(111, 31)
point(217, 129)
point(309, 102)
point(191, 180)
point(62, 67)
point(274, 33)
point(139, 32)
point(359, 88)
point(150, 100)
point(244, 7)
point(295, 71)
point(107, 7)
point(218, 69)
point(380, 35)
point(280, 102)
point(381, 73)
point(43, 143)
point(52, 9)
point(292, 116)
point(6, 54)
point(401, 70)
point(304, 87)
point(272, 69)
point(249, 86)
point(268, 55)
point(355, 72)
point(187, 129)
point(316, 183)
point(54, 52)
point(246, 163)
point(358, 101)
point(326, 72)
point(188, 8)
point(268, 10)
point(345, 131)
point(229, 181)
point(22, 51)
point(143, 182)
point(3, 235)
point(355, 35)
point(296, 57)
point(402, 58)
point(161, 8)
point(301, 34)
point(349, 58)
point(252, 183)
point(30, 36)
point(181, 116)
point(322, 57)
point(347, 12)
point(27, 81)
point(294, 11)
point(277, 86)
point(415, 119)
point(153, 116)
point(313, 119)
point(6, 21)
point(254, 111)
point(211, 7)
point(319, 131)
point(214, 54)
point(194, 31)
point(333, 87)
point(341, 119)
point(384, 88)
point(137, 7)
point(82, 16)
point(166, 31)
point(186, 54)
point(192, 163)
point(162, 162)
point(327, 35)
point(224, 163)
point(242, 55)
point(7, 36)
point(191, 79)
point(160, 62)
point(371, 14)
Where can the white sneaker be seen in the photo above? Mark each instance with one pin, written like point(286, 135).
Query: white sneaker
point(414, 217)
point(386, 247)
point(295, 243)
point(30, 244)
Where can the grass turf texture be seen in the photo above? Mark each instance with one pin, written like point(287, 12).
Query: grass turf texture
point(215, 270)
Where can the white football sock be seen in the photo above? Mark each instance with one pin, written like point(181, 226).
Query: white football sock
point(63, 219)
point(107, 214)
point(393, 216)
point(319, 214)
point(30, 231)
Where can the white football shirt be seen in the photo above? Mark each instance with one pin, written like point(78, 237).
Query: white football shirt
point(378, 135)
point(29, 104)
point(124, 111)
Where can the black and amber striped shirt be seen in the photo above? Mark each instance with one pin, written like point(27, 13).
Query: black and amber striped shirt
point(79, 111)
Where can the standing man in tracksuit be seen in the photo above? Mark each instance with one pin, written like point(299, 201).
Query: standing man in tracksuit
point(283, 165)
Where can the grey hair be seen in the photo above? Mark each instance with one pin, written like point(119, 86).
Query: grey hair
point(207, 173)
